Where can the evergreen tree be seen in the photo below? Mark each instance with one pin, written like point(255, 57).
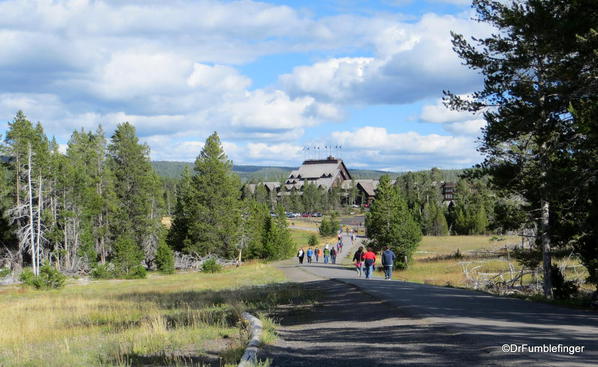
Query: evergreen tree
point(256, 215)
point(179, 231)
point(215, 206)
point(389, 223)
point(311, 198)
point(137, 189)
point(164, 257)
point(535, 67)
point(278, 243)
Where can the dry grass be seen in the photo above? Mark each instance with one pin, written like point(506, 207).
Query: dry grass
point(181, 319)
point(433, 246)
point(301, 238)
point(430, 267)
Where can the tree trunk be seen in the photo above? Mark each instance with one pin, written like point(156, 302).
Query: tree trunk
point(31, 228)
point(40, 208)
point(545, 225)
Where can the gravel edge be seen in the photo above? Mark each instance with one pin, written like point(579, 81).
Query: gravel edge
point(249, 357)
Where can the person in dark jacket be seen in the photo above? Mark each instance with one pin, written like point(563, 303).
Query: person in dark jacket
point(301, 255)
point(333, 255)
point(388, 260)
point(357, 259)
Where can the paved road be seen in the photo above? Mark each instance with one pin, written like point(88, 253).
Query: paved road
point(387, 323)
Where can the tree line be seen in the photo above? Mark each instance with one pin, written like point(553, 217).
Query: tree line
point(97, 207)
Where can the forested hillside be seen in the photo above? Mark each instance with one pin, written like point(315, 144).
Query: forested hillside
point(174, 169)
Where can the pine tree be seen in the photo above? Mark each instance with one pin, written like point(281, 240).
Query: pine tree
point(137, 189)
point(278, 243)
point(164, 257)
point(389, 223)
point(534, 67)
point(179, 231)
point(215, 206)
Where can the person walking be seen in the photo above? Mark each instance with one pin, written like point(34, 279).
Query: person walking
point(326, 254)
point(388, 260)
point(333, 255)
point(357, 258)
point(318, 253)
point(301, 255)
point(310, 253)
point(369, 259)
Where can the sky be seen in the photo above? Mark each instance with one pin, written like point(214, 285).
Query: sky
point(273, 78)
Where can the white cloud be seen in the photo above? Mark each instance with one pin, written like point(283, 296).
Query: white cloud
point(170, 69)
point(468, 127)
point(456, 122)
point(217, 77)
point(376, 147)
point(413, 61)
point(439, 114)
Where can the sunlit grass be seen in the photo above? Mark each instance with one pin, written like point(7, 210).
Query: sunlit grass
point(430, 267)
point(117, 322)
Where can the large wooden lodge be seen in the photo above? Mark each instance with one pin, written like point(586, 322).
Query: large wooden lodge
point(329, 173)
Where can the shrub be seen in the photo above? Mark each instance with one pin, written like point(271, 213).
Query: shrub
point(561, 288)
point(127, 256)
point(211, 266)
point(165, 258)
point(4, 272)
point(48, 278)
point(313, 240)
point(138, 272)
point(102, 271)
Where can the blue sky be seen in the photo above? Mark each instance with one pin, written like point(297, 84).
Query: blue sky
point(271, 77)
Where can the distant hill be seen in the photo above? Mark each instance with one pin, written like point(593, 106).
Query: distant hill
point(172, 169)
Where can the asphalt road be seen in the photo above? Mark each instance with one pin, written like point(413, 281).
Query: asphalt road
point(402, 323)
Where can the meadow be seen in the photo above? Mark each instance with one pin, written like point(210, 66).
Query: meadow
point(182, 319)
point(443, 260)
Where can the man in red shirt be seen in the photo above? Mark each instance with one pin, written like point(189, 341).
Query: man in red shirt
point(369, 259)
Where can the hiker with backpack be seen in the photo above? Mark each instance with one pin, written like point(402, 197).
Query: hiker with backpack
point(318, 253)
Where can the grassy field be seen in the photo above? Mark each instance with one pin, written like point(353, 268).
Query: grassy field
point(302, 237)
point(482, 256)
point(181, 319)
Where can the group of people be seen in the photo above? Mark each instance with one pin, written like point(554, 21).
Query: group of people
point(328, 253)
point(364, 259)
point(365, 262)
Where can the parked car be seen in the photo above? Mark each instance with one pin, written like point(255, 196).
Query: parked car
point(317, 215)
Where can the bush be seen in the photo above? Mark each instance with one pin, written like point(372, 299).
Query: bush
point(312, 241)
point(102, 271)
point(138, 272)
point(561, 288)
point(211, 266)
point(165, 258)
point(48, 278)
point(127, 257)
point(4, 272)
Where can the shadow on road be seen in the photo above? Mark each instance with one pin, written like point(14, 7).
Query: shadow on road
point(352, 328)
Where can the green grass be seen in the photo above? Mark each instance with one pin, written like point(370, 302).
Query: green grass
point(180, 319)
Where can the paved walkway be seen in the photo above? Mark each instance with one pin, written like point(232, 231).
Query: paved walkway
point(391, 323)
